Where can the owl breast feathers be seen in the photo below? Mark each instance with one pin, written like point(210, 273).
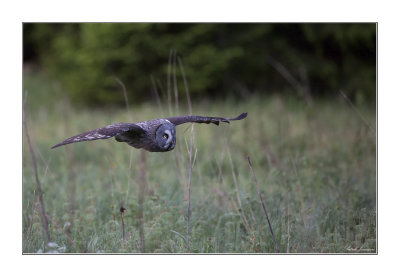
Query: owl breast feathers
point(157, 135)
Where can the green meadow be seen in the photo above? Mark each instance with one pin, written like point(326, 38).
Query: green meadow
point(315, 166)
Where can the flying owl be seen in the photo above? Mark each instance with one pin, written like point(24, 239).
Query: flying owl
point(157, 135)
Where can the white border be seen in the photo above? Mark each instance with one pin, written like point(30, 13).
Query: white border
point(15, 12)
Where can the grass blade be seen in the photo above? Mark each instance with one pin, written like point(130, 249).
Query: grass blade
point(263, 205)
point(39, 187)
point(191, 162)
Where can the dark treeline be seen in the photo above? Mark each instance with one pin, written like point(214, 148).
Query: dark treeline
point(311, 60)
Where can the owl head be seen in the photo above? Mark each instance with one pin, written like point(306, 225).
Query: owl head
point(165, 136)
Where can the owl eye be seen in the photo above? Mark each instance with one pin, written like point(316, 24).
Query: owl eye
point(165, 136)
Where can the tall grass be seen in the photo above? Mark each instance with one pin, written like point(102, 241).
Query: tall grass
point(315, 166)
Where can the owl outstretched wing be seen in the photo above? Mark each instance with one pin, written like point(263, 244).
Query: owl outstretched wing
point(105, 133)
point(177, 120)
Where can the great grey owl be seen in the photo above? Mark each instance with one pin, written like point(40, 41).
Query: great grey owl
point(157, 135)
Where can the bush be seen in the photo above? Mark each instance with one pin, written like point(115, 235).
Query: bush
point(219, 59)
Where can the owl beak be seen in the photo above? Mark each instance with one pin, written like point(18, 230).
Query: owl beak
point(172, 145)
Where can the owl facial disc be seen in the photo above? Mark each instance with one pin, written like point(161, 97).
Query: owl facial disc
point(165, 136)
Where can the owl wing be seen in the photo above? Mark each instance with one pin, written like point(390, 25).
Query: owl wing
point(105, 133)
point(177, 120)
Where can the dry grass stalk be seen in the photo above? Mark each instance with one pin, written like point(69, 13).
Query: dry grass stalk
point(191, 162)
point(156, 95)
point(122, 210)
point(142, 178)
point(288, 230)
point(130, 117)
point(39, 187)
point(125, 96)
point(175, 86)
point(240, 209)
point(300, 191)
point(169, 83)
point(191, 158)
point(186, 85)
point(357, 111)
point(263, 205)
point(301, 88)
point(142, 192)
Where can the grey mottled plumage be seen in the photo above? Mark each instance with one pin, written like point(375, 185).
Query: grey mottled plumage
point(157, 135)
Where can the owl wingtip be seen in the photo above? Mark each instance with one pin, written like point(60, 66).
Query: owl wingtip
point(241, 116)
point(57, 145)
